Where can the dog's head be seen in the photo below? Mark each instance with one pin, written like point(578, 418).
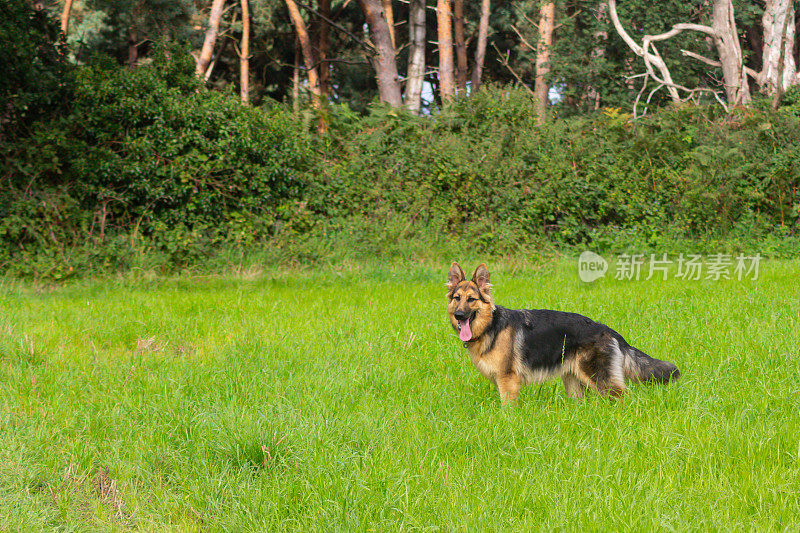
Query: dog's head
point(469, 303)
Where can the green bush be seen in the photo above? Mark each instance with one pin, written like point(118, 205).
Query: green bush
point(147, 162)
point(482, 170)
point(149, 154)
point(35, 71)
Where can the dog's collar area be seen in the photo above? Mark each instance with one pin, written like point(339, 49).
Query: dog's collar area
point(486, 337)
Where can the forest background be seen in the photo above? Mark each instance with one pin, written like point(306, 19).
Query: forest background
point(167, 134)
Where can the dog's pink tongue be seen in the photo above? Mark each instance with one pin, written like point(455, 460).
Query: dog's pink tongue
point(465, 333)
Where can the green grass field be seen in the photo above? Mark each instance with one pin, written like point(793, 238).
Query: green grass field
point(343, 401)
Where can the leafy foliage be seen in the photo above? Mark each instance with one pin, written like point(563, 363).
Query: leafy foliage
point(146, 160)
point(35, 70)
point(482, 171)
point(146, 153)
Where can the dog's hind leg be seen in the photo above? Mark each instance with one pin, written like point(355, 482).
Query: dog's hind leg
point(603, 386)
point(572, 383)
point(599, 366)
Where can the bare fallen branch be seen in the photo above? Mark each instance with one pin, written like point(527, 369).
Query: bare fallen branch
point(650, 59)
point(653, 61)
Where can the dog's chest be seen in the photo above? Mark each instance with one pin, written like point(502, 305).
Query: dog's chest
point(486, 367)
point(492, 358)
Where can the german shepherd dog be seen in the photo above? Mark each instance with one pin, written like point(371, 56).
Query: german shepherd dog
point(517, 347)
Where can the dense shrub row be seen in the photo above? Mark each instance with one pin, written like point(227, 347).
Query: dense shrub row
point(148, 155)
point(146, 160)
point(483, 164)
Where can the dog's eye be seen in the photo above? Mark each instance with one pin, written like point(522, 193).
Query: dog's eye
point(457, 298)
point(471, 299)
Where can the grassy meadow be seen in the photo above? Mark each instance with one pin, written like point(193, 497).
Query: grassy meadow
point(341, 400)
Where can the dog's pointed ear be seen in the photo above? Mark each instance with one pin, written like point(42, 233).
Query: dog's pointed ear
point(481, 278)
point(456, 276)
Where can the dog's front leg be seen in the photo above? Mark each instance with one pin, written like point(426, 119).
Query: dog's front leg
point(508, 386)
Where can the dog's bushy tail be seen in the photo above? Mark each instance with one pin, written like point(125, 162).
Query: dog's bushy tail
point(638, 366)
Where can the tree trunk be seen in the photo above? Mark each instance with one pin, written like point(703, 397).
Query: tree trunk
point(220, 53)
point(599, 51)
point(244, 58)
point(65, 17)
point(461, 45)
point(778, 23)
point(323, 48)
point(726, 40)
point(133, 50)
point(779, 89)
point(387, 8)
point(480, 48)
point(211, 36)
point(296, 77)
point(416, 54)
point(384, 61)
point(796, 51)
point(543, 49)
point(308, 58)
point(445, 34)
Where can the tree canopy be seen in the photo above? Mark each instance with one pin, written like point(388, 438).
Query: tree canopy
point(588, 64)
